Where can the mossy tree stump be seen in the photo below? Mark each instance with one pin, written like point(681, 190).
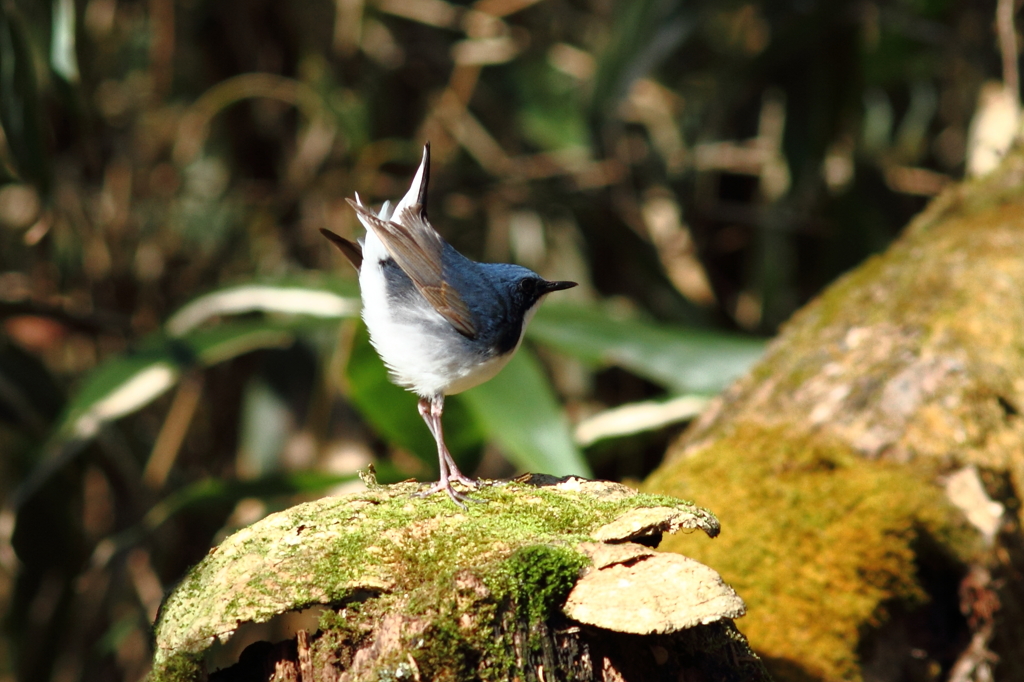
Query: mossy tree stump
point(548, 579)
point(870, 467)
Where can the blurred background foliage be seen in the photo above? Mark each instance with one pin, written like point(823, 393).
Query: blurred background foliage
point(180, 351)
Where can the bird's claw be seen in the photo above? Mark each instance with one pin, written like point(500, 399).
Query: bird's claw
point(457, 477)
point(457, 497)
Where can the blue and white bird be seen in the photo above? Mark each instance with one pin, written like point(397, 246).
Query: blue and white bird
point(441, 322)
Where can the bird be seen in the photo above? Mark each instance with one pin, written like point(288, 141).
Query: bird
point(442, 323)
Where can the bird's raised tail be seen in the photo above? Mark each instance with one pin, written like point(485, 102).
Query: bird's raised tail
point(352, 250)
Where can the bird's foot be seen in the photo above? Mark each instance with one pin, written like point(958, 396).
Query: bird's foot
point(455, 475)
point(458, 498)
point(458, 477)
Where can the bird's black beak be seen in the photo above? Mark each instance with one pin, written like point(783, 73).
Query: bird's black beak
point(557, 286)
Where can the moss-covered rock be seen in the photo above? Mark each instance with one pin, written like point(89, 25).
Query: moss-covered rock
point(457, 594)
point(837, 462)
point(822, 543)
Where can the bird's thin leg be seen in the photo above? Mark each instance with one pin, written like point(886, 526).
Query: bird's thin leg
point(436, 408)
point(431, 409)
point(425, 406)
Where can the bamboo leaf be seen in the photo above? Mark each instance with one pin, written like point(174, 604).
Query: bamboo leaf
point(324, 300)
point(683, 360)
point(19, 98)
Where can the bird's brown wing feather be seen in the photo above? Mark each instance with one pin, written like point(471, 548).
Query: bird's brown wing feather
point(417, 248)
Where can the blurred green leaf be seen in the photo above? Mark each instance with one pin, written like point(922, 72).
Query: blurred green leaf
point(231, 339)
point(118, 387)
point(227, 493)
point(646, 32)
point(638, 417)
point(351, 116)
point(518, 409)
point(263, 428)
point(117, 633)
point(19, 98)
point(127, 383)
point(29, 397)
point(326, 298)
point(683, 360)
point(551, 115)
point(63, 58)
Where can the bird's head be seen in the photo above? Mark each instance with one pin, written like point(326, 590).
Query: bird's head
point(531, 288)
point(521, 290)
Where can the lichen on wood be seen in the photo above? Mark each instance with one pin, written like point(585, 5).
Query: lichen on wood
point(636, 590)
point(456, 594)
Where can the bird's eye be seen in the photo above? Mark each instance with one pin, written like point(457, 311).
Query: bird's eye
point(528, 286)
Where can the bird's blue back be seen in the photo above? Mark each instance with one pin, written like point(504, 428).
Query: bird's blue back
point(493, 293)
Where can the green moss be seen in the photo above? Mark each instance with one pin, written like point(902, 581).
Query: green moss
point(178, 668)
point(452, 652)
point(816, 538)
point(464, 628)
point(523, 591)
point(537, 579)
